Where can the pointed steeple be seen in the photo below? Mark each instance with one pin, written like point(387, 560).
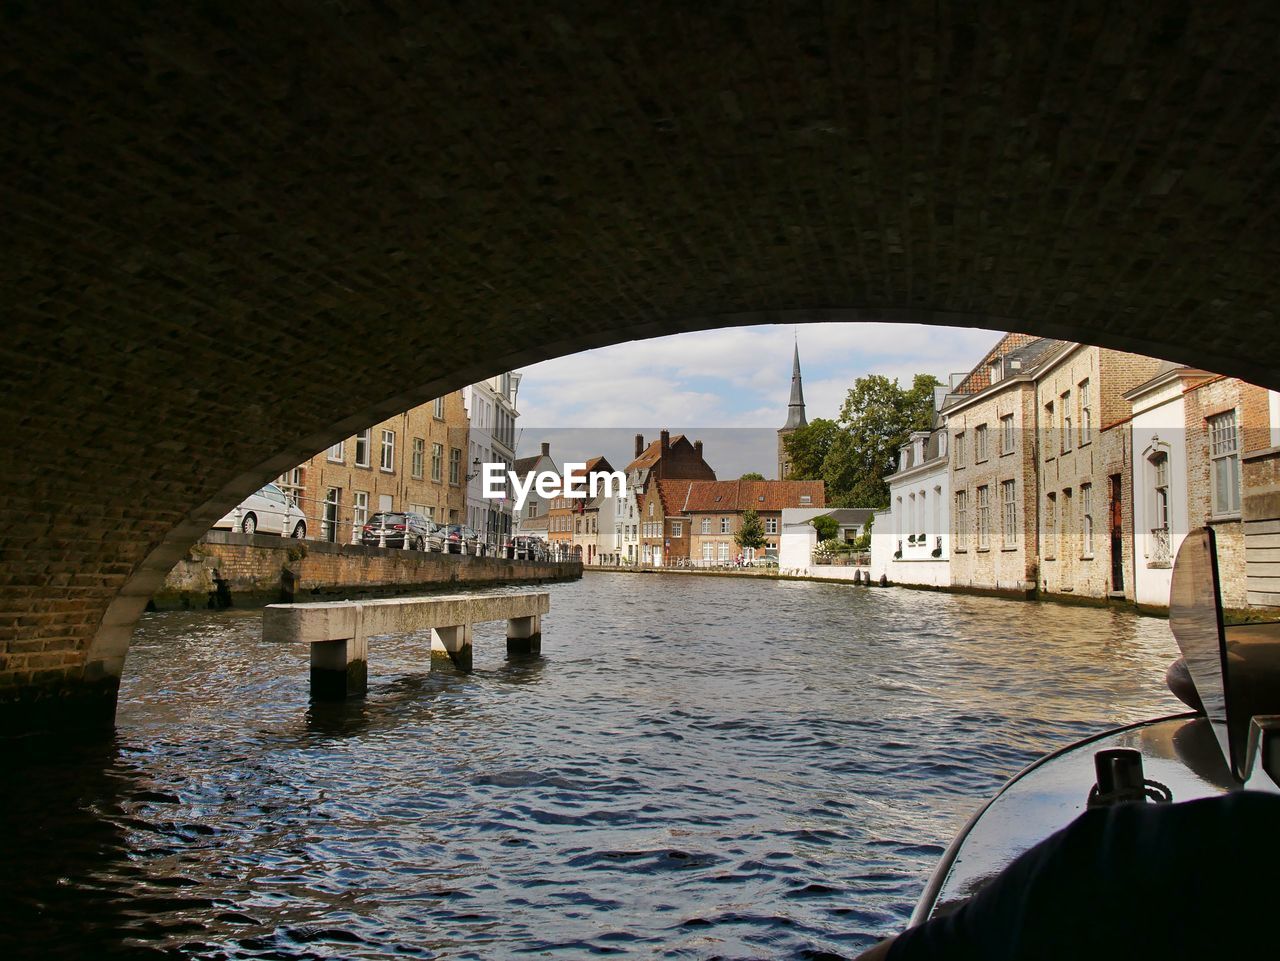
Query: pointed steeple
point(795, 407)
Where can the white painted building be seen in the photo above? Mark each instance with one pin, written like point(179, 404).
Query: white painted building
point(799, 538)
point(531, 520)
point(1159, 448)
point(911, 540)
point(491, 438)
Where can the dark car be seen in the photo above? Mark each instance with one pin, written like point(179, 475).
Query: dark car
point(389, 529)
point(459, 539)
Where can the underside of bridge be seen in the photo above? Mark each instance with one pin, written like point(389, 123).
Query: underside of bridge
point(235, 233)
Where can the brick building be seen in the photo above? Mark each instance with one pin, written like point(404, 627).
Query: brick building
point(992, 420)
point(714, 509)
point(412, 461)
point(1084, 490)
point(667, 458)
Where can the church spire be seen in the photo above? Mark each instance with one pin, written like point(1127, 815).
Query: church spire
point(795, 407)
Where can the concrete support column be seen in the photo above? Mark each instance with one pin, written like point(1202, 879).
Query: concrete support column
point(524, 635)
point(455, 642)
point(340, 669)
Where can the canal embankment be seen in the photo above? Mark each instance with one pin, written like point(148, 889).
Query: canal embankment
point(224, 569)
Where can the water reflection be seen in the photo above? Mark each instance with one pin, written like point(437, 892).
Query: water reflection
point(694, 769)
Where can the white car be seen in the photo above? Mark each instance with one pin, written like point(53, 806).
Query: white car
point(270, 511)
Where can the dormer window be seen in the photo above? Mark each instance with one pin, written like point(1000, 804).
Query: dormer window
point(997, 370)
point(806, 499)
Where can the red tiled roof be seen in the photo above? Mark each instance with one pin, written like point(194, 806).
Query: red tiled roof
point(980, 377)
point(672, 493)
point(708, 497)
point(651, 454)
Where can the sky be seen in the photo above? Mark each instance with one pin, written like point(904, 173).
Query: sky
point(726, 387)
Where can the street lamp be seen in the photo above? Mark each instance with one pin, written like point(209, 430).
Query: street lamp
point(475, 469)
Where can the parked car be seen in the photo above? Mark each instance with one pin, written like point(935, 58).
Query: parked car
point(269, 511)
point(390, 528)
point(460, 539)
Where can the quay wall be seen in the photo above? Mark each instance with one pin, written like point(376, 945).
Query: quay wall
point(225, 569)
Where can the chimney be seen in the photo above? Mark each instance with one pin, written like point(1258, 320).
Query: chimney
point(697, 448)
point(666, 440)
point(639, 444)
point(546, 448)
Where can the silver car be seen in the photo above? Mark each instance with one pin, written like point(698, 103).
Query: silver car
point(270, 511)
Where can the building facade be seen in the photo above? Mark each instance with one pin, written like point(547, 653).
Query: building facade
point(1084, 490)
point(491, 421)
point(535, 507)
point(412, 461)
point(714, 512)
point(641, 519)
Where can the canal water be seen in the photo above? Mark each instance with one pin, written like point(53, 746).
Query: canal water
point(695, 768)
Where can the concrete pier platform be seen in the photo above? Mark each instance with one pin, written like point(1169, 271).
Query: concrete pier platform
point(338, 632)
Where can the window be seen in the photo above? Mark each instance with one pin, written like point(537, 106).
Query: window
point(724, 554)
point(1160, 488)
point(1009, 512)
point(706, 525)
point(419, 457)
point(1065, 433)
point(677, 529)
point(1086, 413)
point(362, 448)
point(771, 525)
point(1051, 527)
point(958, 449)
point(329, 520)
point(1065, 521)
point(724, 525)
point(1007, 435)
point(1224, 454)
point(984, 518)
point(1050, 442)
point(806, 499)
point(291, 483)
point(962, 520)
point(437, 463)
point(338, 451)
point(650, 508)
point(387, 461)
point(1086, 519)
point(439, 408)
point(359, 511)
point(708, 553)
point(455, 465)
point(980, 443)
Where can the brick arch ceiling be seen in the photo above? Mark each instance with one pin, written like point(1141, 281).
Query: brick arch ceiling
point(235, 234)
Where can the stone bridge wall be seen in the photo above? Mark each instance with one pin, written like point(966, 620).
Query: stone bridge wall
point(238, 569)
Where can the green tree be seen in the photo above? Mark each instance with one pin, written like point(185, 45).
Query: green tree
point(751, 531)
point(827, 527)
point(751, 475)
point(807, 447)
point(852, 456)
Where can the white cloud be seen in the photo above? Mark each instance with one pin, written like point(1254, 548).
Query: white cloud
point(735, 376)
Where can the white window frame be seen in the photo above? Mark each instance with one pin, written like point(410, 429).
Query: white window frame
point(455, 465)
point(438, 411)
point(359, 514)
point(1064, 411)
point(1008, 436)
point(1086, 412)
point(1009, 512)
point(387, 452)
point(771, 525)
point(983, 499)
point(338, 452)
point(980, 443)
point(364, 440)
point(962, 520)
point(419, 460)
point(724, 525)
point(958, 450)
point(677, 529)
point(706, 525)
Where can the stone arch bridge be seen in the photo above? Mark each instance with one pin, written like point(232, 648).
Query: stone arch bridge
point(236, 232)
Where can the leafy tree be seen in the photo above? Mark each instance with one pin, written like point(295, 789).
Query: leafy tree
point(852, 456)
point(752, 475)
point(827, 527)
point(751, 531)
point(807, 447)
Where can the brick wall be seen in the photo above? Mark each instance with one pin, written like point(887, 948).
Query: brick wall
point(272, 569)
point(1250, 404)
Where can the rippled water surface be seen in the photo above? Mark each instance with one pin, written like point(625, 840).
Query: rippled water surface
point(695, 768)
